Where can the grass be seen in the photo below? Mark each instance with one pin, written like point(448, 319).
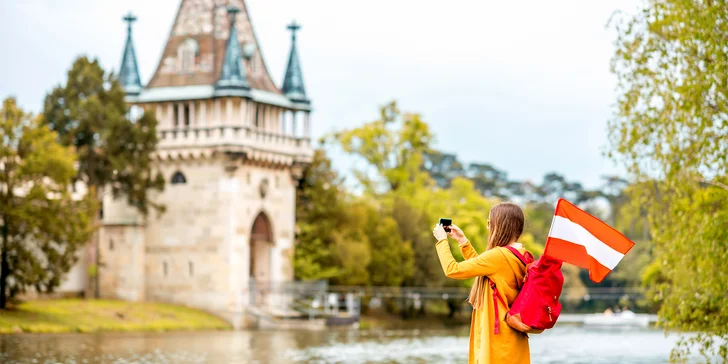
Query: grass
point(76, 315)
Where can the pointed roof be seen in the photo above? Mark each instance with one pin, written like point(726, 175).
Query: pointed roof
point(232, 74)
point(196, 49)
point(129, 72)
point(293, 81)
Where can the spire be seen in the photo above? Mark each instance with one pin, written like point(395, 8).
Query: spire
point(293, 81)
point(232, 74)
point(129, 73)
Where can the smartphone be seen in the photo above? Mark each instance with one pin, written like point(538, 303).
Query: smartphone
point(446, 223)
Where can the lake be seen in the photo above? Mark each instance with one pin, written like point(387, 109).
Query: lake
point(563, 344)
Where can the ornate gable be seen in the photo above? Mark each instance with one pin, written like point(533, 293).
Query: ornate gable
point(195, 49)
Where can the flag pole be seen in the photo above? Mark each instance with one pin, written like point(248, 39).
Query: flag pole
point(551, 228)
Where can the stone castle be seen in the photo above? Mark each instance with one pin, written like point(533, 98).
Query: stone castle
point(232, 146)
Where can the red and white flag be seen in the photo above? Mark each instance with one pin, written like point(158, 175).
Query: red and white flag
point(581, 239)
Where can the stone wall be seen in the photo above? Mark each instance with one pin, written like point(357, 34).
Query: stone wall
point(198, 252)
point(185, 247)
point(121, 265)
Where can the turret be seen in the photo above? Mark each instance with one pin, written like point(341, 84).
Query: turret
point(233, 77)
point(129, 72)
point(293, 81)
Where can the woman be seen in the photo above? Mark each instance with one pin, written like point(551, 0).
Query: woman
point(497, 264)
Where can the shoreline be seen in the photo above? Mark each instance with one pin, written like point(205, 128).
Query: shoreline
point(60, 316)
point(91, 316)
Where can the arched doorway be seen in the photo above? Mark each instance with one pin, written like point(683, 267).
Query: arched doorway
point(261, 242)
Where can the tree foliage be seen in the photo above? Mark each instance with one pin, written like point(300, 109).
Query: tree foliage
point(382, 235)
point(342, 238)
point(42, 224)
point(331, 244)
point(89, 114)
point(671, 130)
point(393, 145)
point(442, 167)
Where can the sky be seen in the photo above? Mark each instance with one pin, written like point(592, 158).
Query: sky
point(524, 86)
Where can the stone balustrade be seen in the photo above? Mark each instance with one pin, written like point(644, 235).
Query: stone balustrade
point(234, 136)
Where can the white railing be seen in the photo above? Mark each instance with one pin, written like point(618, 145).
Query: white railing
point(235, 136)
point(309, 299)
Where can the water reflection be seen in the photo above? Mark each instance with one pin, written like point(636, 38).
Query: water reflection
point(561, 345)
point(208, 347)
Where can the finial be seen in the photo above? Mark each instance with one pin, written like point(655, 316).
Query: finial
point(232, 76)
point(129, 18)
point(232, 11)
point(293, 27)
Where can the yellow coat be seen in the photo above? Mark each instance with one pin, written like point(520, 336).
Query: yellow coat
point(500, 265)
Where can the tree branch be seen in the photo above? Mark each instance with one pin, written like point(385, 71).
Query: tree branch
point(713, 183)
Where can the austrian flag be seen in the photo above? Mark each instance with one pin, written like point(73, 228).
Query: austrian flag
point(581, 239)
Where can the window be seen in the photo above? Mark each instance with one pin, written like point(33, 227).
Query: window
point(187, 55)
point(187, 115)
point(178, 178)
point(175, 121)
point(294, 123)
point(111, 244)
point(257, 117)
point(192, 268)
point(164, 268)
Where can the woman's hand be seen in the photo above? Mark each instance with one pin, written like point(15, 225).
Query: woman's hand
point(439, 233)
point(457, 234)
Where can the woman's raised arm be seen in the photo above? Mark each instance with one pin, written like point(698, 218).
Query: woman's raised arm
point(482, 265)
point(468, 250)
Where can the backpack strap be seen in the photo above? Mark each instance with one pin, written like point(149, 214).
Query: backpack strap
point(518, 255)
point(496, 297)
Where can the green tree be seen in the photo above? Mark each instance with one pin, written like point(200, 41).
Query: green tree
point(394, 146)
point(614, 191)
point(331, 240)
point(346, 239)
point(555, 186)
point(416, 185)
point(392, 259)
point(114, 151)
point(489, 180)
point(670, 129)
point(467, 208)
point(42, 224)
point(538, 220)
point(442, 167)
point(414, 225)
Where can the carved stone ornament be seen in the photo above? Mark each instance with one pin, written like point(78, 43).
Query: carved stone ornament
point(263, 188)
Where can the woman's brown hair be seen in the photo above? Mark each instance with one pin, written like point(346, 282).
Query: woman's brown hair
point(506, 226)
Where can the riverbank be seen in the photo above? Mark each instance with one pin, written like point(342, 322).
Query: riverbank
point(76, 315)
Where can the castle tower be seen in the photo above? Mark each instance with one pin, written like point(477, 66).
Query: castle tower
point(231, 147)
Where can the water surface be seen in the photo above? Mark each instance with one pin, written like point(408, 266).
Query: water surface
point(563, 345)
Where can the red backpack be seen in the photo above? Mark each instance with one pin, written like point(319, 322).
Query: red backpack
point(537, 306)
